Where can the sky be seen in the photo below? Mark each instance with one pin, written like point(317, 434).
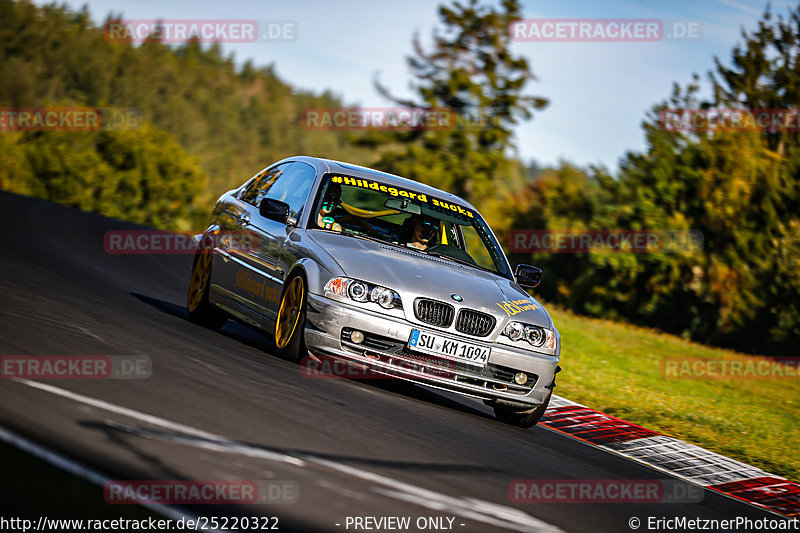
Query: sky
point(599, 92)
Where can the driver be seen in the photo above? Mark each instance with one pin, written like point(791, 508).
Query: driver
point(423, 230)
point(333, 197)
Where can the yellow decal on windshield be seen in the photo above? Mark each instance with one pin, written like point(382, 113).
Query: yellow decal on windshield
point(437, 205)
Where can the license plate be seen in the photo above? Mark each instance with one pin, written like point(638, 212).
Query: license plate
point(436, 345)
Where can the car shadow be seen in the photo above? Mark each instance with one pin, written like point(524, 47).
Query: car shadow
point(126, 435)
point(232, 329)
point(239, 332)
point(422, 393)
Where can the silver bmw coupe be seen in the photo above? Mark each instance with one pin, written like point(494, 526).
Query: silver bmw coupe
point(339, 261)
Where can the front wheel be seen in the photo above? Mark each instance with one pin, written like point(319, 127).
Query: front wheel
point(291, 320)
point(200, 309)
point(526, 419)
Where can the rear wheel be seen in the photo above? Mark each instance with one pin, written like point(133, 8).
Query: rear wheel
point(200, 310)
point(523, 418)
point(291, 320)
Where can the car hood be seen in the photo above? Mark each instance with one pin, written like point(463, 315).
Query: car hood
point(414, 274)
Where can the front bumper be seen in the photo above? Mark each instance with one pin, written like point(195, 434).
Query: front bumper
point(384, 350)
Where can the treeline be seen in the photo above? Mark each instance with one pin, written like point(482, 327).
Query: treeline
point(739, 186)
point(206, 124)
point(739, 189)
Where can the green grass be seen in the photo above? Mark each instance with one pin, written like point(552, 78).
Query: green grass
point(617, 368)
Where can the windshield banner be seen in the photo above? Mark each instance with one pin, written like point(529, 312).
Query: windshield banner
point(432, 203)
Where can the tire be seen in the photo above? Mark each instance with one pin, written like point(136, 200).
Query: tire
point(526, 419)
point(291, 320)
point(200, 310)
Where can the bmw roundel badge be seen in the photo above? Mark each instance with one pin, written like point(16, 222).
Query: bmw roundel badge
point(457, 297)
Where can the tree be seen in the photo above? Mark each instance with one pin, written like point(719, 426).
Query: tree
point(141, 175)
point(223, 122)
point(741, 189)
point(764, 75)
point(469, 72)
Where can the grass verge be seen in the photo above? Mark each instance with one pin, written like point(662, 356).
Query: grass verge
point(621, 370)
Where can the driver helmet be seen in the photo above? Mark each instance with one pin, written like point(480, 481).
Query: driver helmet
point(332, 198)
point(428, 225)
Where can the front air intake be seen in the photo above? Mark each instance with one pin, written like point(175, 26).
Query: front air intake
point(438, 314)
point(475, 323)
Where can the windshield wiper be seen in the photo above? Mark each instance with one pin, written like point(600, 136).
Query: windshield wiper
point(460, 261)
point(351, 233)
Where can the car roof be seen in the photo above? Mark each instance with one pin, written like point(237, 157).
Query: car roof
point(358, 171)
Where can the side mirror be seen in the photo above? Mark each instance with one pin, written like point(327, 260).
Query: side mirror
point(528, 276)
point(274, 209)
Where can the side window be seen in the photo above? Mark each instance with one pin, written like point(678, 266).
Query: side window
point(290, 183)
point(262, 182)
point(293, 186)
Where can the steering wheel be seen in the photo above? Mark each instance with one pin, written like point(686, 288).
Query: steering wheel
point(362, 224)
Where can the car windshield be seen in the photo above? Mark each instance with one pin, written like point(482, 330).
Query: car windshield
point(372, 209)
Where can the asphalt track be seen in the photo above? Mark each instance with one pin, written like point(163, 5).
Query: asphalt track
point(219, 406)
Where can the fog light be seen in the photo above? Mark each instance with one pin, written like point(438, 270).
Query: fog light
point(357, 337)
point(520, 378)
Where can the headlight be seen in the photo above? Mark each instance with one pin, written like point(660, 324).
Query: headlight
point(514, 331)
point(361, 291)
point(536, 336)
point(382, 296)
point(337, 286)
point(358, 291)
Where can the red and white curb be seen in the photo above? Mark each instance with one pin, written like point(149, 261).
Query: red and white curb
point(686, 461)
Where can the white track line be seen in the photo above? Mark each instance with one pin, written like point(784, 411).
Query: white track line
point(483, 511)
point(164, 423)
point(73, 467)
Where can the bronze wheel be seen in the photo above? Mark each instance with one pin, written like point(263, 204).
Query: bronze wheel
point(290, 322)
point(289, 312)
point(201, 274)
point(200, 310)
